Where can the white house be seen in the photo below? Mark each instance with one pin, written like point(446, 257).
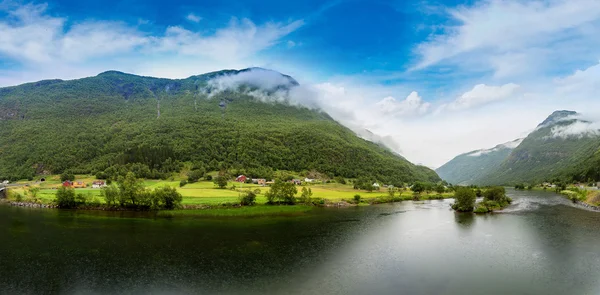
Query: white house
point(98, 184)
point(376, 185)
point(308, 180)
point(6, 182)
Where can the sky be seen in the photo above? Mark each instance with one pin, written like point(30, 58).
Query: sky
point(430, 79)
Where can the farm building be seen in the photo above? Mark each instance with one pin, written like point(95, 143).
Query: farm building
point(98, 184)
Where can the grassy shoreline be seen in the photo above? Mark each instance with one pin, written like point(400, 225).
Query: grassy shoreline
point(204, 199)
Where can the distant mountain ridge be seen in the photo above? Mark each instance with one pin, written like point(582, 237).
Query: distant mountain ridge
point(469, 167)
point(564, 147)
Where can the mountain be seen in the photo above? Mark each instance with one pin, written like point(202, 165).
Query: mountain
point(468, 168)
point(229, 119)
point(563, 147)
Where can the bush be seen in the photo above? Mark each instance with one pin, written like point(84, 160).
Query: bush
point(481, 209)
point(208, 177)
point(440, 189)
point(220, 181)
point(248, 198)
point(282, 192)
point(340, 180)
point(257, 191)
point(166, 198)
point(464, 200)
point(357, 198)
point(110, 195)
point(65, 198)
point(195, 175)
point(67, 176)
point(306, 195)
point(182, 183)
point(496, 193)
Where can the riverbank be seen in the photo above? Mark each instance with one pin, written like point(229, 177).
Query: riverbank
point(236, 210)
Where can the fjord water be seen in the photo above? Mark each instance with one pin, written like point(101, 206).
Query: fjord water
point(540, 245)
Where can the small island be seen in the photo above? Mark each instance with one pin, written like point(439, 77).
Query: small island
point(494, 198)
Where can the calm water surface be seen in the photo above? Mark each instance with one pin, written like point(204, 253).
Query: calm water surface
point(540, 245)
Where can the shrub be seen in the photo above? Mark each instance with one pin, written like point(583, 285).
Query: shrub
point(182, 183)
point(257, 191)
point(464, 200)
point(110, 195)
point(195, 175)
point(357, 198)
point(496, 193)
point(220, 181)
point(65, 198)
point(208, 177)
point(282, 192)
point(481, 209)
point(166, 198)
point(306, 195)
point(67, 176)
point(248, 198)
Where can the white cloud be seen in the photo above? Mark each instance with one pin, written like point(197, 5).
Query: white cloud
point(516, 37)
point(580, 125)
point(412, 105)
point(509, 145)
point(31, 36)
point(239, 40)
point(193, 18)
point(576, 129)
point(581, 81)
point(51, 47)
point(483, 94)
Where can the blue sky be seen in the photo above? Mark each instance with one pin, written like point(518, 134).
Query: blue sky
point(431, 78)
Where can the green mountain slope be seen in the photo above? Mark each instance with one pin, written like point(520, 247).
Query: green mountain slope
point(468, 168)
point(114, 120)
point(550, 153)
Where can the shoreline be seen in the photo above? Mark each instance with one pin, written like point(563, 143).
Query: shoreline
point(236, 210)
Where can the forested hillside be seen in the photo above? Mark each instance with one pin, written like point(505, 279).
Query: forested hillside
point(116, 121)
point(470, 167)
point(549, 154)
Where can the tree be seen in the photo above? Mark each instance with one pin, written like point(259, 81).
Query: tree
point(166, 198)
point(464, 200)
point(440, 189)
point(247, 198)
point(496, 194)
point(67, 176)
point(195, 175)
point(220, 181)
point(65, 198)
point(33, 193)
point(130, 188)
point(110, 195)
point(306, 194)
point(282, 192)
point(391, 192)
point(418, 187)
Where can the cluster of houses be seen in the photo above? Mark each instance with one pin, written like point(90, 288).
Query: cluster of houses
point(264, 182)
point(81, 184)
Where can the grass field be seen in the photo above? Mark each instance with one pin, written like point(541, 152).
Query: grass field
point(205, 192)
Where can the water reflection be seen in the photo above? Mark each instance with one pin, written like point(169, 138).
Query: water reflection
point(406, 248)
point(464, 220)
